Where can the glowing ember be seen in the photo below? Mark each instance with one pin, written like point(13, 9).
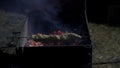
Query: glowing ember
point(32, 43)
point(56, 38)
point(58, 32)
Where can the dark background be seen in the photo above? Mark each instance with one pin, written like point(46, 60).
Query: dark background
point(99, 11)
point(103, 11)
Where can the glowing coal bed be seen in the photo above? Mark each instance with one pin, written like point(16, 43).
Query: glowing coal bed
point(57, 38)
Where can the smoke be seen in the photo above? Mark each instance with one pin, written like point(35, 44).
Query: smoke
point(43, 16)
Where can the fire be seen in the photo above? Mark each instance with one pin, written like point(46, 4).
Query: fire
point(58, 32)
point(32, 43)
point(55, 38)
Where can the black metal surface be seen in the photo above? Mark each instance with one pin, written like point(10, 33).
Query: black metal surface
point(42, 57)
point(74, 57)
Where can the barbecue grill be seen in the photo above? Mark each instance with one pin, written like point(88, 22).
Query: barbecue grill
point(59, 32)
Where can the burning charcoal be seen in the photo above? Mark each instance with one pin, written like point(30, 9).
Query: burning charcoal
point(57, 38)
point(59, 32)
point(53, 38)
point(73, 36)
point(40, 44)
point(39, 34)
point(45, 36)
point(32, 43)
point(33, 36)
point(63, 37)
